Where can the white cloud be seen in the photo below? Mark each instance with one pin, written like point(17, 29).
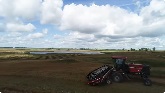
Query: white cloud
point(102, 26)
point(153, 18)
point(113, 21)
point(2, 27)
point(15, 12)
point(154, 12)
point(51, 12)
point(56, 36)
point(15, 27)
point(100, 20)
point(27, 9)
point(38, 35)
point(45, 31)
point(79, 40)
point(35, 35)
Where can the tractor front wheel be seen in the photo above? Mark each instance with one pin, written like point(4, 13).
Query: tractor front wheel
point(117, 77)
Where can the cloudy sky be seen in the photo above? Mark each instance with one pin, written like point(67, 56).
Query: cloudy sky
point(82, 23)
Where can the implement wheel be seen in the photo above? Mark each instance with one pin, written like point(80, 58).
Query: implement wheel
point(108, 81)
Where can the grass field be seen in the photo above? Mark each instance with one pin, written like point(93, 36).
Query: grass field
point(21, 72)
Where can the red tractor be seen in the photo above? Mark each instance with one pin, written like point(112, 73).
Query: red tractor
point(120, 71)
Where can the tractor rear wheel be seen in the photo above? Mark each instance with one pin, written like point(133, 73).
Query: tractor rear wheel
point(117, 77)
point(147, 82)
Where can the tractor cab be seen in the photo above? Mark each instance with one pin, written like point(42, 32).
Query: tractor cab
point(130, 68)
point(119, 63)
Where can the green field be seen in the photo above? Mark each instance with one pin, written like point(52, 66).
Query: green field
point(21, 72)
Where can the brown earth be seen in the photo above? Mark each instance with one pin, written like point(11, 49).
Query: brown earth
point(65, 74)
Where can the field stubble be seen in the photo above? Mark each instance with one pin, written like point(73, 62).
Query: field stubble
point(65, 73)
